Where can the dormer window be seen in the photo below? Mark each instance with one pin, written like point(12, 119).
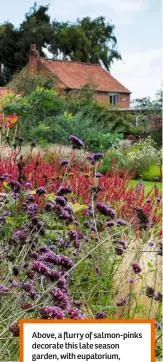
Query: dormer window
point(113, 98)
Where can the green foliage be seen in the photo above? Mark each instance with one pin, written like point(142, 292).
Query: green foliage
point(154, 170)
point(88, 40)
point(141, 156)
point(25, 83)
point(15, 42)
point(148, 101)
point(112, 155)
point(46, 116)
point(50, 118)
point(157, 137)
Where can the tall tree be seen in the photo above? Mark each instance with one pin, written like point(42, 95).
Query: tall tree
point(8, 52)
point(15, 43)
point(90, 41)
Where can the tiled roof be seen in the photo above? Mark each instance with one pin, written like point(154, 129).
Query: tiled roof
point(76, 75)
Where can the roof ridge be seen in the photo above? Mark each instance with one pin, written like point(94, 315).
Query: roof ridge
point(70, 61)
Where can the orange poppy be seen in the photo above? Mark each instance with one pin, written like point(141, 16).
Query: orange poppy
point(12, 118)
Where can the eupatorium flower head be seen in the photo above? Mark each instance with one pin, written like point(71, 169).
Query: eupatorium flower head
point(52, 313)
point(136, 268)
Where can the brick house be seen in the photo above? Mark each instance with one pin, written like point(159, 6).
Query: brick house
point(74, 76)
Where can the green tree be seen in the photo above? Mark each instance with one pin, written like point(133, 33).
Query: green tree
point(15, 43)
point(148, 101)
point(8, 52)
point(87, 40)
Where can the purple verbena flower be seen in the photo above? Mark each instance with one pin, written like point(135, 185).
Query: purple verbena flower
point(76, 142)
point(158, 297)
point(100, 315)
point(121, 222)
point(15, 195)
point(15, 186)
point(32, 208)
point(119, 250)
point(28, 185)
point(61, 200)
point(148, 200)
point(3, 289)
point(69, 209)
point(19, 235)
point(64, 162)
point(98, 156)
point(49, 206)
point(64, 190)
point(98, 174)
point(41, 190)
point(94, 157)
point(89, 211)
point(158, 326)
point(110, 223)
point(151, 243)
point(30, 198)
point(106, 210)
point(6, 213)
point(14, 284)
point(131, 280)
point(7, 175)
point(121, 302)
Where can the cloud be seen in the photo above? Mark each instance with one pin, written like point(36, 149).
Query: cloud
point(140, 72)
point(121, 11)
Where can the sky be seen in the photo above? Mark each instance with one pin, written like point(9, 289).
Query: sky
point(138, 28)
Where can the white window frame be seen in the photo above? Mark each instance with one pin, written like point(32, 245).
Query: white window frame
point(116, 98)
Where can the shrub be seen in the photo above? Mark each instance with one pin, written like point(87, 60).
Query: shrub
point(153, 171)
point(25, 83)
point(102, 141)
point(141, 156)
point(112, 155)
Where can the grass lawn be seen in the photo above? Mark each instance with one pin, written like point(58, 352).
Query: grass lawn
point(148, 184)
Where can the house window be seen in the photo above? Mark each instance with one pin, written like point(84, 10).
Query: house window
point(113, 98)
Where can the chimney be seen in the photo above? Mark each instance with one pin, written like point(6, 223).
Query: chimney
point(33, 58)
